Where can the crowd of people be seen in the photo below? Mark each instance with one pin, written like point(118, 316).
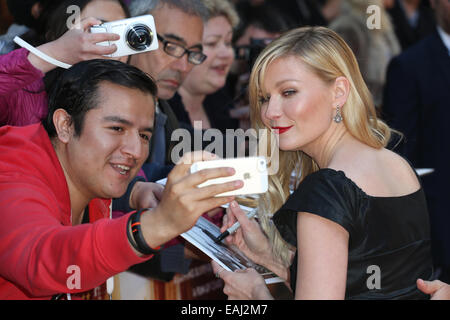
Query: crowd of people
point(356, 98)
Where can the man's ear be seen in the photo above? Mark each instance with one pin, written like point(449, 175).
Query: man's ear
point(63, 125)
point(341, 91)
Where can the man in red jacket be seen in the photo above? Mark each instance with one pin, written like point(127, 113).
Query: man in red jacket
point(92, 144)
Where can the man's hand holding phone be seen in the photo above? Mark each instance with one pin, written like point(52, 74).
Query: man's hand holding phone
point(182, 202)
point(251, 170)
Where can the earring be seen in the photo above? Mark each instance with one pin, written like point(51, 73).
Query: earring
point(338, 117)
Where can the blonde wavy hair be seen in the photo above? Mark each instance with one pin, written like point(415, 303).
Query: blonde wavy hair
point(329, 57)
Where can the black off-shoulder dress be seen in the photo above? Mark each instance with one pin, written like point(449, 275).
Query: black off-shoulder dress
point(388, 235)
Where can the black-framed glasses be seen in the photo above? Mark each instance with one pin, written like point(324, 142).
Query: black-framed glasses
point(177, 51)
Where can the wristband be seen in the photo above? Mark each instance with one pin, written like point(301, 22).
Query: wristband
point(137, 238)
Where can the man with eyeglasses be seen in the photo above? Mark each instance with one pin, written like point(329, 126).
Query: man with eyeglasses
point(179, 26)
point(178, 51)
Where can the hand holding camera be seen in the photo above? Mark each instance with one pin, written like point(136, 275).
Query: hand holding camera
point(111, 39)
point(75, 45)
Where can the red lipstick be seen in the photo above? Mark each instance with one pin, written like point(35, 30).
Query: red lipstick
point(281, 129)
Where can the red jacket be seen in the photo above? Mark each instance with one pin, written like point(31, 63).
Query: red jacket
point(39, 248)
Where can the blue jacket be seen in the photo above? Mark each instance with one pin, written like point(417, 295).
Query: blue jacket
point(417, 103)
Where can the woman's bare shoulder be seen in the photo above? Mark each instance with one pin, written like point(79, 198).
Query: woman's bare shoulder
point(380, 173)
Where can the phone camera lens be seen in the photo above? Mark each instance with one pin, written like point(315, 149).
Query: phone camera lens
point(139, 37)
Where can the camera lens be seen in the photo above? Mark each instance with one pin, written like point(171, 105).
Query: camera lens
point(262, 166)
point(139, 37)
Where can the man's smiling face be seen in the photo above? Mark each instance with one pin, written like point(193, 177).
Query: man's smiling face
point(113, 143)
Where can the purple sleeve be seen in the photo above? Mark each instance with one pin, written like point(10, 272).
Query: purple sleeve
point(23, 99)
point(16, 71)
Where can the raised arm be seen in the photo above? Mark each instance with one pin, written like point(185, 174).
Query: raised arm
point(74, 46)
point(40, 249)
point(182, 202)
point(20, 68)
point(22, 95)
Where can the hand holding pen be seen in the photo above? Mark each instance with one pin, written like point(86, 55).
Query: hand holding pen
point(235, 226)
point(248, 237)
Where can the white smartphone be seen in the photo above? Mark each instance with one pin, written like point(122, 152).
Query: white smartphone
point(251, 170)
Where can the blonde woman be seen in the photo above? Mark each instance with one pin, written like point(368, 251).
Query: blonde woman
point(357, 220)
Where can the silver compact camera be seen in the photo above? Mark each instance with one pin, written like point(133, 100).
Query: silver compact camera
point(137, 35)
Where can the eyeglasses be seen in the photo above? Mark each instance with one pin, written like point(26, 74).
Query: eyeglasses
point(177, 51)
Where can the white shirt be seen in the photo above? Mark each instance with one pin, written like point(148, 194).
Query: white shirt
point(445, 38)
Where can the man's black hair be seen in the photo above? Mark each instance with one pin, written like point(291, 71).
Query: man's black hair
point(76, 90)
